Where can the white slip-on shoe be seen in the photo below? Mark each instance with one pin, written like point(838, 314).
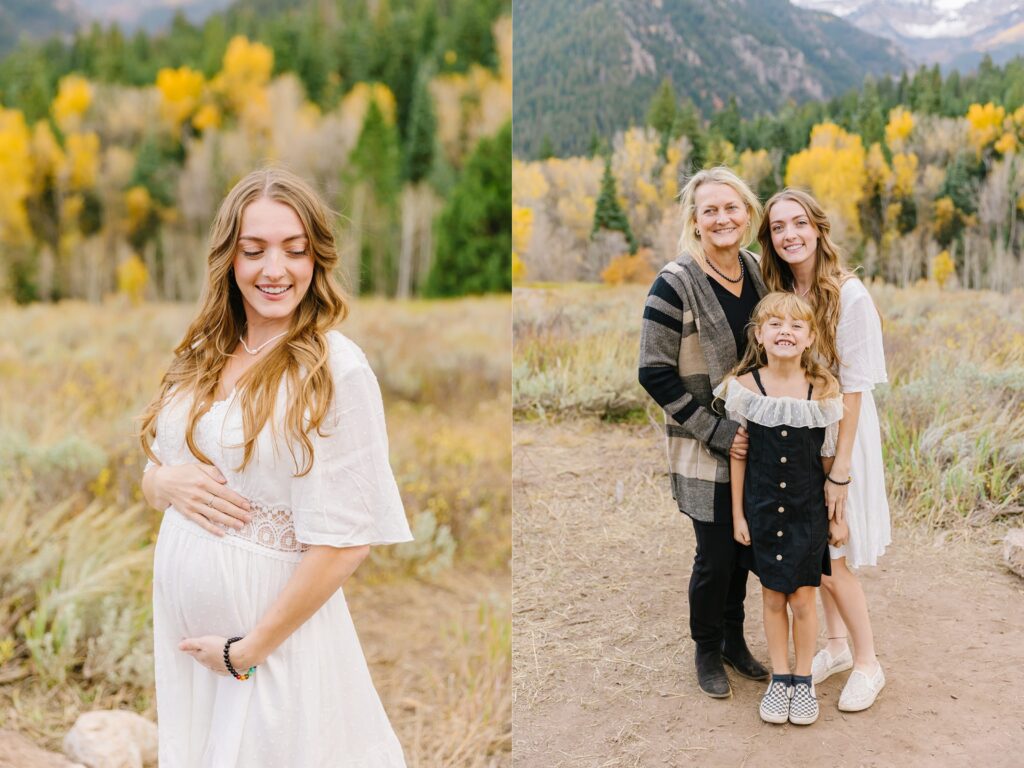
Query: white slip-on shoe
point(861, 690)
point(823, 666)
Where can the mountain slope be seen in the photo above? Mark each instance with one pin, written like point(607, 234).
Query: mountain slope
point(952, 33)
point(585, 67)
point(35, 20)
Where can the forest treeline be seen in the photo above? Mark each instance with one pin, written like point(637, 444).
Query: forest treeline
point(116, 151)
point(922, 177)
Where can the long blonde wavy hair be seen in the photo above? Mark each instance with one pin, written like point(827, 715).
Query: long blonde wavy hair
point(688, 241)
point(784, 304)
point(829, 271)
point(301, 358)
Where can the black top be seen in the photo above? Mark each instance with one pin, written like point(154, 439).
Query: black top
point(738, 310)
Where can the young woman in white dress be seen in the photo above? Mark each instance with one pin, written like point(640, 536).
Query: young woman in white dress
point(269, 456)
point(798, 255)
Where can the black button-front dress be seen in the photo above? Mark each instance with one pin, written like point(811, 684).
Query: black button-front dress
point(784, 500)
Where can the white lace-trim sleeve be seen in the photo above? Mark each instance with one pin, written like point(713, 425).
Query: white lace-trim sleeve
point(720, 392)
point(778, 411)
point(828, 448)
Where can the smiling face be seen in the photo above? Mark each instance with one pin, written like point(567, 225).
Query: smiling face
point(721, 216)
point(273, 264)
point(793, 235)
point(785, 337)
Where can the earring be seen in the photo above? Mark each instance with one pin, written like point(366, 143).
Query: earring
point(696, 233)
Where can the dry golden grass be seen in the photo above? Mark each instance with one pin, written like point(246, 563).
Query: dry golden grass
point(76, 541)
point(952, 414)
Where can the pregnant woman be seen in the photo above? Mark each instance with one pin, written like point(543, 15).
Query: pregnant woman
point(269, 457)
point(799, 256)
point(693, 334)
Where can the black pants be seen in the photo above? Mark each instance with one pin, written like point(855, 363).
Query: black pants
point(718, 585)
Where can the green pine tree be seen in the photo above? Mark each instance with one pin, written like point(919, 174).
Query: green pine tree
point(418, 158)
point(661, 113)
point(474, 230)
point(376, 163)
point(608, 214)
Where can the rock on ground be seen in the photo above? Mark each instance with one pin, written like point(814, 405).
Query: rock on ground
point(1013, 551)
point(112, 739)
point(16, 751)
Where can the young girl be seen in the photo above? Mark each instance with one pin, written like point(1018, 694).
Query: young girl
point(790, 406)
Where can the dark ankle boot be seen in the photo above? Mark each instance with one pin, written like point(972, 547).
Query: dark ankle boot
point(711, 675)
point(736, 654)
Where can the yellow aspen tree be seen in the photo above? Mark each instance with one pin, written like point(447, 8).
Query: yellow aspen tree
point(754, 166)
point(241, 83)
point(82, 160)
point(832, 169)
point(74, 96)
point(984, 125)
point(529, 185)
point(942, 268)
point(904, 173)
point(180, 91)
point(899, 128)
point(47, 157)
point(16, 171)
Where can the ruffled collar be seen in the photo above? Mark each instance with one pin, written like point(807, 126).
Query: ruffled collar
point(778, 411)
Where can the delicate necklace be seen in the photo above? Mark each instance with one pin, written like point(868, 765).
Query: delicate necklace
point(261, 346)
point(723, 276)
point(803, 293)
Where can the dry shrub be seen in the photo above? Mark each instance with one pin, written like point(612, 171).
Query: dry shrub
point(952, 414)
point(76, 548)
point(629, 268)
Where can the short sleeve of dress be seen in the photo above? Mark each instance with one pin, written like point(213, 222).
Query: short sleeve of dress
point(350, 497)
point(859, 340)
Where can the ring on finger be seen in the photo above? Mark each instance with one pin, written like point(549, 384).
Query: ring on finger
point(210, 502)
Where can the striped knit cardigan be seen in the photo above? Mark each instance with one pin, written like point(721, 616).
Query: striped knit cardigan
point(686, 349)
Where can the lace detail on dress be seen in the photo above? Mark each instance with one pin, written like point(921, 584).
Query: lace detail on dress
point(776, 411)
point(271, 527)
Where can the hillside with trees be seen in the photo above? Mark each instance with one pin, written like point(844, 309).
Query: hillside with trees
point(116, 151)
point(588, 68)
point(923, 179)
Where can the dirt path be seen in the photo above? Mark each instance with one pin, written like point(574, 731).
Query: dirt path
point(603, 665)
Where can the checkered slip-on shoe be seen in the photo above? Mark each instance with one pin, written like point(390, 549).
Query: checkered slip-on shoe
point(803, 706)
point(775, 702)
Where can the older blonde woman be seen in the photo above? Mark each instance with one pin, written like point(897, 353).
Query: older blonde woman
point(693, 334)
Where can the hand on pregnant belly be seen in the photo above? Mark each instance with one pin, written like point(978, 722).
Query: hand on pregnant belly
point(200, 493)
point(208, 650)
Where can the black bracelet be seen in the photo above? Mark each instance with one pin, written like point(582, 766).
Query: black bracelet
point(230, 666)
point(836, 482)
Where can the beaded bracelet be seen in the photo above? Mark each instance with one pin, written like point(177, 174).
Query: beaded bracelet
point(836, 482)
point(230, 666)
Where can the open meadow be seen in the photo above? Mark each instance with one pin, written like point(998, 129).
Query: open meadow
point(76, 538)
point(602, 663)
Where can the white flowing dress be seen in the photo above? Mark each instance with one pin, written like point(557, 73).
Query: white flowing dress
point(859, 344)
point(312, 703)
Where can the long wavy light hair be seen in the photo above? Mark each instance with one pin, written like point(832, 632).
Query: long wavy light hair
point(784, 304)
point(301, 358)
point(688, 241)
point(829, 271)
